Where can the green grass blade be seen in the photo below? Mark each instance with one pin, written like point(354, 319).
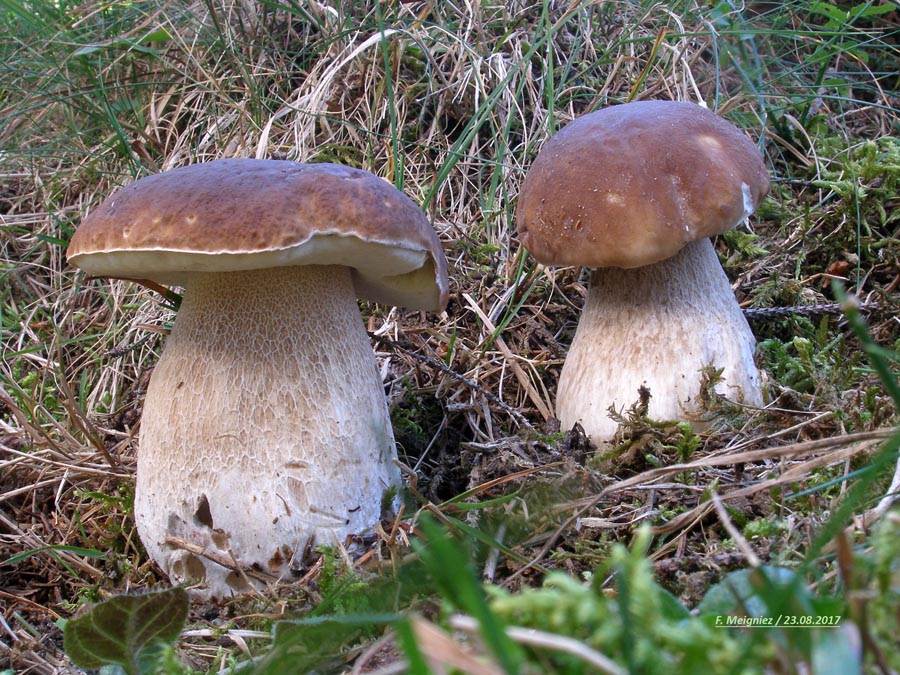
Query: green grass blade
point(451, 570)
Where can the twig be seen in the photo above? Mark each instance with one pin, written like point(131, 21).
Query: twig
point(371, 651)
point(441, 650)
point(37, 456)
point(584, 506)
point(545, 640)
point(802, 310)
point(77, 414)
point(406, 348)
point(220, 559)
point(733, 532)
point(539, 403)
point(13, 598)
point(230, 633)
point(890, 496)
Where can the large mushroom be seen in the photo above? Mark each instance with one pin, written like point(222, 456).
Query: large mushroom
point(265, 423)
point(634, 191)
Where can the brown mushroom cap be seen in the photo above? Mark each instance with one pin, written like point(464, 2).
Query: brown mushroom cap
point(630, 185)
point(242, 214)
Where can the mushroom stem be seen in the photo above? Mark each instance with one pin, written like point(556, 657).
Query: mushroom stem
point(265, 424)
point(656, 326)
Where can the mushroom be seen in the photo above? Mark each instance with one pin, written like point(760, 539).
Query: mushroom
point(265, 424)
point(634, 191)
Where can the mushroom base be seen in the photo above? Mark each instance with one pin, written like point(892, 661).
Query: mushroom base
point(656, 326)
point(265, 427)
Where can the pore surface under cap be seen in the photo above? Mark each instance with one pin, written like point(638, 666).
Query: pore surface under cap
point(631, 184)
point(243, 214)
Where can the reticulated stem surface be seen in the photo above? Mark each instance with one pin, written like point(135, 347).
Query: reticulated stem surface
point(265, 423)
point(656, 326)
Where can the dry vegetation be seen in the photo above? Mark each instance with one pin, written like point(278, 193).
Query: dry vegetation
point(450, 102)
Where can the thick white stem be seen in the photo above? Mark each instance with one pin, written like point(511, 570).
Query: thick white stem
point(656, 326)
point(265, 424)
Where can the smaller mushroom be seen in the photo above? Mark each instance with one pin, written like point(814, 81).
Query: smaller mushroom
point(634, 191)
point(265, 424)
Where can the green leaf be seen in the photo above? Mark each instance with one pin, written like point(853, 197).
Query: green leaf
point(317, 643)
point(836, 651)
point(127, 630)
point(310, 644)
point(138, 45)
point(868, 10)
point(671, 607)
point(835, 15)
point(741, 591)
point(75, 550)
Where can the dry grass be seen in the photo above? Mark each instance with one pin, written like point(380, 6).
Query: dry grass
point(451, 104)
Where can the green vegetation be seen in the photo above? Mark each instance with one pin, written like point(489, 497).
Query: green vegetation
point(615, 560)
point(134, 632)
